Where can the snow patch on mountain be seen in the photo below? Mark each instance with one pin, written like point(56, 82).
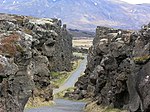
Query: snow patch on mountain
point(82, 14)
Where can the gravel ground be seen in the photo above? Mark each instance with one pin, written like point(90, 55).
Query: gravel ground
point(61, 106)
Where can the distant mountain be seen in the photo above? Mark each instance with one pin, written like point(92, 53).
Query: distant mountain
point(83, 14)
point(81, 33)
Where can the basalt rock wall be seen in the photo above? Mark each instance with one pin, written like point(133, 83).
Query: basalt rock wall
point(30, 48)
point(117, 72)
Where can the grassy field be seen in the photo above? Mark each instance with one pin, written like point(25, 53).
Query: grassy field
point(84, 43)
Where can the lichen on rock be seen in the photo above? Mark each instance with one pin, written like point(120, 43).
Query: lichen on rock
point(30, 48)
point(117, 73)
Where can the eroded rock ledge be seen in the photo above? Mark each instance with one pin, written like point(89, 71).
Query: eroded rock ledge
point(118, 70)
point(30, 48)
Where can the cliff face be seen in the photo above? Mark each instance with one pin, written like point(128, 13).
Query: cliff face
point(117, 72)
point(30, 48)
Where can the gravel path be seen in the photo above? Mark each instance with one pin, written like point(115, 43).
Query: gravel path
point(73, 78)
point(61, 104)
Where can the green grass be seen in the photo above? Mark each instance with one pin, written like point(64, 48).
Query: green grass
point(62, 93)
point(59, 78)
point(76, 64)
point(69, 90)
point(111, 110)
point(38, 102)
point(55, 74)
point(141, 59)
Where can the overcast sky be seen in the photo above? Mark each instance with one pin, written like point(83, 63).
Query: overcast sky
point(137, 1)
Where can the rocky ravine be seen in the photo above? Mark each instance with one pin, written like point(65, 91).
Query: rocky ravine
point(118, 70)
point(30, 48)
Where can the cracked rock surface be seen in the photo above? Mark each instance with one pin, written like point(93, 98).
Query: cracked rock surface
point(117, 72)
point(30, 48)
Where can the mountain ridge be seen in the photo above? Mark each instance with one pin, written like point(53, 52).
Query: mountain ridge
point(83, 14)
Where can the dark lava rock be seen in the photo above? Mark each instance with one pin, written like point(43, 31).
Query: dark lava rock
point(30, 48)
point(117, 72)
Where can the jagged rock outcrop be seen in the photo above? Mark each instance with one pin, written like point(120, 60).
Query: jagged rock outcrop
point(30, 48)
point(16, 72)
point(117, 72)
